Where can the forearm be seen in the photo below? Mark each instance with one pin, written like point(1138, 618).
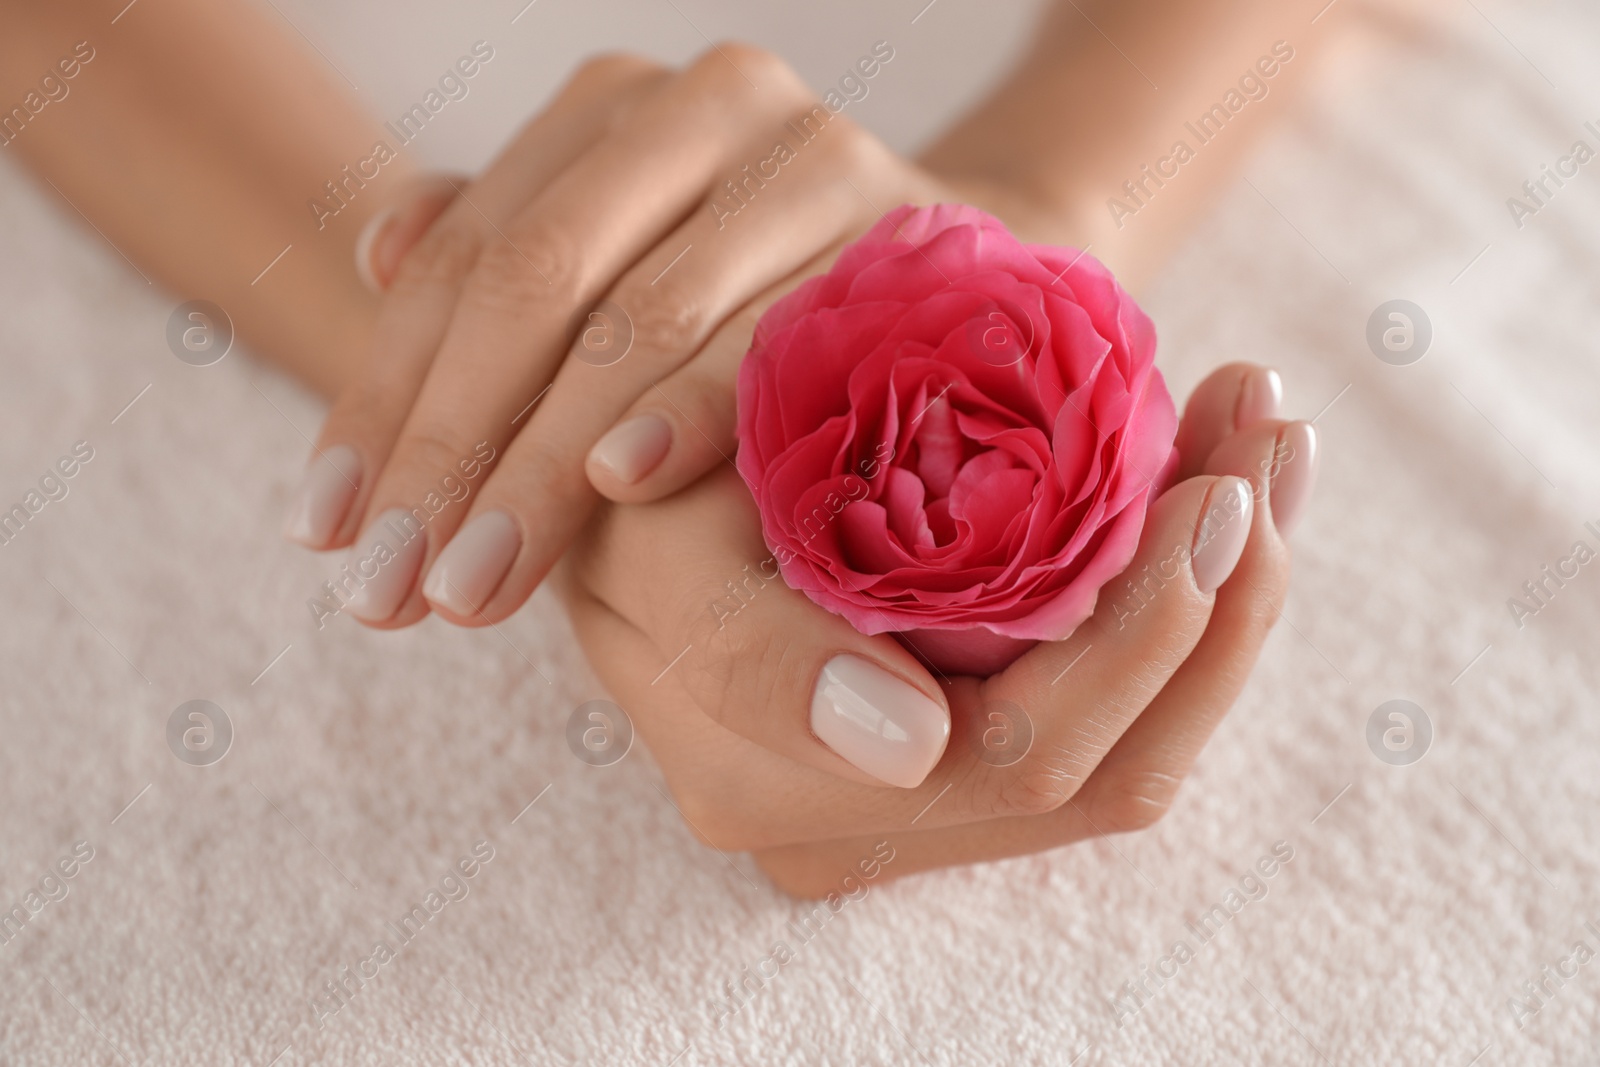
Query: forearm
point(1106, 97)
point(193, 139)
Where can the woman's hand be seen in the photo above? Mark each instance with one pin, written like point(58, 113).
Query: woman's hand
point(736, 707)
point(574, 320)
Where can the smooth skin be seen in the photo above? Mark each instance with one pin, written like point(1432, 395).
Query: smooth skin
point(1119, 710)
point(468, 337)
point(619, 197)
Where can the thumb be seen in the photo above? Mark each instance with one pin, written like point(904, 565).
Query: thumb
point(392, 232)
point(757, 657)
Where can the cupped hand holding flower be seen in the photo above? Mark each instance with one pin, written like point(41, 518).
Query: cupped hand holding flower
point(778, 724)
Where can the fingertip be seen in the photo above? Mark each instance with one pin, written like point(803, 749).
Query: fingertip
point(384, 566)
point(366, 244)
point(471, 567)
point(1222, 531)
point(390, 234)
point(1230, 398)
point(1260, 397)
point(321, 506)
point(1296, 456)
point(629, 452)
point(877, 721)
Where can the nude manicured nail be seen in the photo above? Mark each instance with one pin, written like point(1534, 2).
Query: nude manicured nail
point(367, 246)
point(387, 557)
point(1224, 528)
point(632, 449)
point(882, 725)
point(330, 483)
point(1260, 395)
point(1297, 475)
point(470, 568)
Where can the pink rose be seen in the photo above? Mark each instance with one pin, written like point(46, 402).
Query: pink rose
point(952, 436)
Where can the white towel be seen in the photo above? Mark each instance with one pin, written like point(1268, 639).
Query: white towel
point(218, 903)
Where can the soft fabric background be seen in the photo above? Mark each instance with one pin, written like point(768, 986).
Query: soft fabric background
point(365, 764)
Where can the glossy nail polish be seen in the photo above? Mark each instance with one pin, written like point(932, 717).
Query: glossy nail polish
point(632, 449)
point(471, 566)
point(329, 485)
point(367, 247)
point(1224, 528)
point(879, 723)
point(387, 557)
point(1260, 396)
point(1296, 458)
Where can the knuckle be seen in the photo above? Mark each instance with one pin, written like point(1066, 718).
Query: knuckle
point(546, 469)
point(444, 256)
point(1158, 605)
point(612, 68)
point(1034, 790)
point(731, 649)
point(738, 60)
point(538, 262)
point(669, 321)
point(847, 147)
point(1134, 802)
point(429, 449)
point(1047, 777)
point(1264, 605)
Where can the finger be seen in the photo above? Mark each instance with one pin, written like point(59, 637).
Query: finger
point(1232, 397)
point(749, 651)
point(1075, 698)
point(685, 424)
point(390, 234)
point(360, 431)
point(1138, 779)
point(557, 257)
point(758, 658)
point(669, 303)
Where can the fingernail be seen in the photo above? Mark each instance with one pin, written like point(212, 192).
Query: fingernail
point(632, 449)
point(1224, 528)
point(1296, 460)
point(386, 558)
point(1260, 395)
point(470, 567)
point(877, 722)
point(367, 246)
point(330, 483)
